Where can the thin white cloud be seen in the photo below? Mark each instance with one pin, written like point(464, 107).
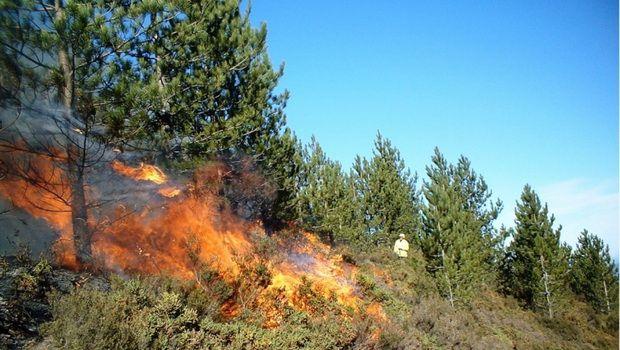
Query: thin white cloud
point(580, 204)
point(574, 196)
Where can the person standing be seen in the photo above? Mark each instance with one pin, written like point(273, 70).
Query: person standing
point(401, 247)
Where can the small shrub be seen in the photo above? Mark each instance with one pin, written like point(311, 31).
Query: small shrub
point(23, 255)
point(43, 269)
point(370, 288)
point(4, 266)
point(32, 282)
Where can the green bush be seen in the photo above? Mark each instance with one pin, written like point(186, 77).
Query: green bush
point(32, 281)
point(369, 286)
point(155, 314)
point(4, 266)
point(164, 313)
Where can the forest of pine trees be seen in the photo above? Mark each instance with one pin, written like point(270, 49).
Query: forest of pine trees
point(450, 219)
point(185, 82)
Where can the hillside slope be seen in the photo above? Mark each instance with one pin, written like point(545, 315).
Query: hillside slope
point(396, 306)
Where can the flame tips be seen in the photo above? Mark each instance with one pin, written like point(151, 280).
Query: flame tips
point(169, 192)
point(143, 172)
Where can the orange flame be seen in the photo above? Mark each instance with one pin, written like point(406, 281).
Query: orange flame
point(169, 192)
point(375, 311)
point(144, 172)
point(38, 185)
point(184, 229)
point(159, 241)
point(314, 260)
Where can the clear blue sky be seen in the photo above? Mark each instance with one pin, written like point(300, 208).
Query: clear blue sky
point(528, 90)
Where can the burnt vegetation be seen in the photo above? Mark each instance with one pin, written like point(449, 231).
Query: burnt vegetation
point(220, 251)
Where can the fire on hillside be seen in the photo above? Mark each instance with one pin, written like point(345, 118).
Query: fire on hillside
point(181, 228)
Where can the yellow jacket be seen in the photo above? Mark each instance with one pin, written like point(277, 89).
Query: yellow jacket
point(401, 247)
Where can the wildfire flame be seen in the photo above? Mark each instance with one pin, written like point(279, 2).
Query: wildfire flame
point(310, 258)
point(181, 230)
point(38, 186)
point(144, 172)
point(375, 310)
point(169, 192)
point(160, 240)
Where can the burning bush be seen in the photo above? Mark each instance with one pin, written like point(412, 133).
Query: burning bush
point(156, 314)
point(196, 235)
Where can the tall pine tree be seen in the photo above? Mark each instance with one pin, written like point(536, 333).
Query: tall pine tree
point(594, 275)
point(386, 188)
point(200, 83)
point(327, 203)
point(536, 262)
point(59, 55)
point(458, 238)
point(187, 80)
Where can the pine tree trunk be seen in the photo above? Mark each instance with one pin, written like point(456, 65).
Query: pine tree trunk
point(79, 216)
point(546, 284)
point(450, 295)
point(75, 157)
point(330, 232)
point(606, 296)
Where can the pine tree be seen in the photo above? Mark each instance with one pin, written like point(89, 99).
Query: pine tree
point(279, 157)
point(189, 80)
point(201, 86)
point(59, 54)
point(201, 83)
point(327, 203)
point(594, 275)
point(458, 238)
point(477, 200)
point(386, 189)
point(536, 261)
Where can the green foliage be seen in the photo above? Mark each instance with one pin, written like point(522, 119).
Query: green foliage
point(373, 204)
point(139, 314)
point(396, 283)
point(536, 266)
point(203, 87)
point(192, 82)
point(594, 273)
point(280, 158)
point(33, 280)
point(299, 333)
point(42, 268)
point(370, 288)
point(64, 53)
point(458, 237)
point(4, 266)
point(187, 80)
point(327, 200)
point(162, 313)
point(213, 291)
point(386, 189)
point(215, 93)
point(97, 328)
